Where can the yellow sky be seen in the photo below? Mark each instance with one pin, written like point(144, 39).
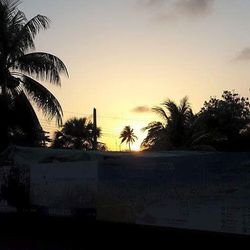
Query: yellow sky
point(126, 53)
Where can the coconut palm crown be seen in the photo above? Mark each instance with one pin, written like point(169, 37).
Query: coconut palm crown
point(22, 69)
point(127, 135)
point(174, 131)
point(76, 133)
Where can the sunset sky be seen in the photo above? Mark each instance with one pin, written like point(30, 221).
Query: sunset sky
point(126, 56)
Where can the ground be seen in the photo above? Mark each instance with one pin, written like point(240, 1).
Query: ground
point(46, 233)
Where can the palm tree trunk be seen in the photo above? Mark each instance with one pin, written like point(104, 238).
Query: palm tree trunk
point(129, 146)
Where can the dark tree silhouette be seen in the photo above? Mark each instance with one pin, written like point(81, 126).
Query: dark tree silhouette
point(127, 135)
point(77, 133)
point(156, 138)
point(225, 121)
point(174, 131)
point(222, 124)
point(21, 69)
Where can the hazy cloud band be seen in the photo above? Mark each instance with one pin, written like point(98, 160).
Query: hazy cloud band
point(244, 55)
point(179, 8)
point(141, 109)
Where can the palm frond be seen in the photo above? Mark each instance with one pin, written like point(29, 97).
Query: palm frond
point(17, 21)
point(42, 66)
point(43, 98)
point(8, 13)
point(161, 112)
point(171, 107)
point(184, 105)
point(22, 105)
point(153, 126)
point(123, 139)
point(128, 135)
point(75, 127)
point(24, 38)
point(76, 133)
point(156, 134)
point(9, 8)
point(25, 126)
point(35, 24)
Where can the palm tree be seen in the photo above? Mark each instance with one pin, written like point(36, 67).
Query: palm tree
point(156, 138)
point(174, 131)
point(22, 69)
point(127, 135)
point(77, 133)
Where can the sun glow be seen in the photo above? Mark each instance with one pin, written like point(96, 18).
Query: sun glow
point(136, 146)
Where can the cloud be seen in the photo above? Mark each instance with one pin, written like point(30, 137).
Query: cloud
point(141, 109)
point(194, 7)
point(244, 55)
point(179, 8)
point(151, 3)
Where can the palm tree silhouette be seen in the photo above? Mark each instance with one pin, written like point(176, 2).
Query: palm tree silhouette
point(22, 69)
point(77, 133)
point(173, 132)
point(127, 135)
point(156, 138)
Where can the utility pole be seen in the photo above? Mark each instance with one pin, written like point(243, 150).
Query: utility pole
point(95, 129)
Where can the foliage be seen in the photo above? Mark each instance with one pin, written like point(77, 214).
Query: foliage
point(127, 135)
point(228, 116)
point(225, 120)
point(77, 133)
point(156, 137)
point(174, 129)
point(223, 124)
point(21, 69)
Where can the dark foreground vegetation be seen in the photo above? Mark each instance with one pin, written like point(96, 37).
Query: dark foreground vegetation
point(22, 74)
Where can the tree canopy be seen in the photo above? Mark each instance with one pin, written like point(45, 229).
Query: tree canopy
point(77, 133)
point(174, 129)
point(21, 72)
point(127, 135)
point(222, 124)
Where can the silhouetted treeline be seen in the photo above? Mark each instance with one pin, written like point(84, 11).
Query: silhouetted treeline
point(221, 124)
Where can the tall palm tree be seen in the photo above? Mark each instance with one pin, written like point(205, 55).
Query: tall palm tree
point(22, 69)
point(127, 135)
point(174, 130)
point(76, 133)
